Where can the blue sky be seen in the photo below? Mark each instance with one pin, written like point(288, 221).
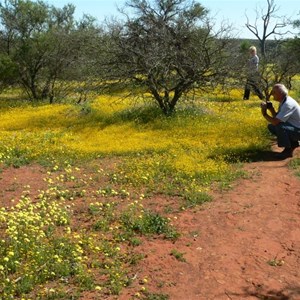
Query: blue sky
point(231, 11)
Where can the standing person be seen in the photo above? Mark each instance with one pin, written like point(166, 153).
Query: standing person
point(253, 75)
point(285, 123)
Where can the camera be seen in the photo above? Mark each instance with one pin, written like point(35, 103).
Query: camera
point(269, 104)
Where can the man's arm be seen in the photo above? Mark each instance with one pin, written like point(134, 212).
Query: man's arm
point(270, 118)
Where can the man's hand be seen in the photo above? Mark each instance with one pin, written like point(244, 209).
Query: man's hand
point(263, 106)
point(269, 105)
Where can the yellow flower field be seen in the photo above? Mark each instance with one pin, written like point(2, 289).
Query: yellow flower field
point(105, 162)
point(190, 142)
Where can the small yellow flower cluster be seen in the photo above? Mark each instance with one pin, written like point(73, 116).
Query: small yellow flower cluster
point(28, 246)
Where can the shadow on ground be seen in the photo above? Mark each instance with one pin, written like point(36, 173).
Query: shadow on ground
point(248, 156)
point(288, 293)
point(260, 156)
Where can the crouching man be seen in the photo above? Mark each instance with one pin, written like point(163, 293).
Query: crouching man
point(285, 123)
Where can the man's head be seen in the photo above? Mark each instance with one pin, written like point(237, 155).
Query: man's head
point(279, 92)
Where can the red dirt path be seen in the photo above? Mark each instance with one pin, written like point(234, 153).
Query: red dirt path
point(245, 244)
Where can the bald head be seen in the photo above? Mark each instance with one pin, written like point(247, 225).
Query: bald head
point(279, 92)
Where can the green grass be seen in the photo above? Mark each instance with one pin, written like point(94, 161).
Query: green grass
point(178, 255)
point(294, 164)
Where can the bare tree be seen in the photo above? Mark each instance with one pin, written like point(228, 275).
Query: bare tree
point(271, 25)
point(276, 66)
point(166, 49)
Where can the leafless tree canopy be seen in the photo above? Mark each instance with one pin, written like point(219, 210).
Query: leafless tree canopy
point(272, 25)
point(278, 60)
point(168, 48)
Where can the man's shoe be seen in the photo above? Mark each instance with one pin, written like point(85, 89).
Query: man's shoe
point(295, 144)
point(287, 152)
